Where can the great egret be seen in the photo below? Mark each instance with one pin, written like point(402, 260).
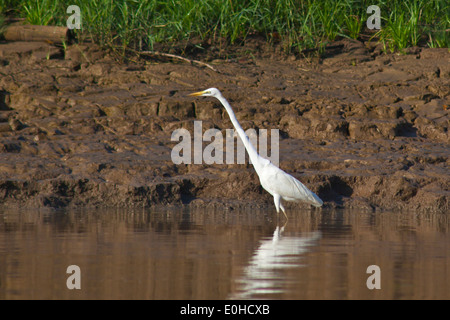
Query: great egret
point(278, 183)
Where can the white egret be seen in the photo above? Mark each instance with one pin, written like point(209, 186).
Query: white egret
point(278, 183)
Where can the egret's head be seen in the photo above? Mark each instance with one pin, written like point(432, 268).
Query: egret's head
point(211, 92)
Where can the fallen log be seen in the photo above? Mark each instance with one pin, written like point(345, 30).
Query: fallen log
point(51, 34)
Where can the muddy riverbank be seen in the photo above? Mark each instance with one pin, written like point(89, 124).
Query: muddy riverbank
point(360, 128)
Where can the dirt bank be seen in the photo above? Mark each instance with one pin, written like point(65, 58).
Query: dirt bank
point(360, 128)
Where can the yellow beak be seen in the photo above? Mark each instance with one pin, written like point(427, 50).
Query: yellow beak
point(196, 94)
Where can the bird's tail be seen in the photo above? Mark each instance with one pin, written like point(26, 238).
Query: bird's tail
point(309, 196)
point(315, 200)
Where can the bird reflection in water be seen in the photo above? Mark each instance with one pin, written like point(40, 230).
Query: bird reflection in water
point(264, 275)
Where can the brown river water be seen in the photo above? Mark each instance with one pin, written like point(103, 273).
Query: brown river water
point(217, 254)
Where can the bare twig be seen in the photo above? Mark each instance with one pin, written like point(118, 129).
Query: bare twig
point(174, 56)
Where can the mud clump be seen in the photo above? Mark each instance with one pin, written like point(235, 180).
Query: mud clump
point(361, 129)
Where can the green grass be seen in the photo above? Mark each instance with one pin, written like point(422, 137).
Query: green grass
point(411, 20)
point(297, 24)
point(40, 12)
point(2, 24)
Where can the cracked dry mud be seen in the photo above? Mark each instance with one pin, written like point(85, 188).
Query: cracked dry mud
point(360, 128)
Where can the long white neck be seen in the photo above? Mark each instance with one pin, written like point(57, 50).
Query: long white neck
point(253, 154)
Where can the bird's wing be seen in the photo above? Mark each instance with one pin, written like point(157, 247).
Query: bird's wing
point(312, 198)
point(276, 181)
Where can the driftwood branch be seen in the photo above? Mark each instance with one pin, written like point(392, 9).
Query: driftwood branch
point(174, 56)
point(52, 34)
